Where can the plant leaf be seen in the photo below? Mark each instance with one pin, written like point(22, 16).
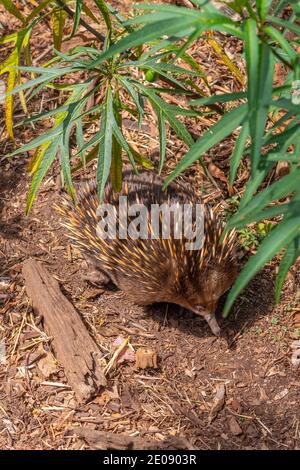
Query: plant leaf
point(278, 238)
point(238, 151)
point(58, 19)
point(105, 144)
point(44, 164)
point(76, 20)
point(211, 137)
point(11, 8)
point(277, 190)
point(291, 254)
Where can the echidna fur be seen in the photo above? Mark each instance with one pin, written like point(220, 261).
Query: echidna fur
point(155, 270)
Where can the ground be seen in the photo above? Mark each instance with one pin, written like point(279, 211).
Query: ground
point(252, 359)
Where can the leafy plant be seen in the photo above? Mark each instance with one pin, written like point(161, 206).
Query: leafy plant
point(263, 34)
point(248, 239)
point(267, 117)
point(105, 86)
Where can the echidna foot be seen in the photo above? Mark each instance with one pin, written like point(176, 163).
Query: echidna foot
point(99, 278)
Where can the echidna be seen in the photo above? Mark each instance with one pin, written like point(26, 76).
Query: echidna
point(154, 270)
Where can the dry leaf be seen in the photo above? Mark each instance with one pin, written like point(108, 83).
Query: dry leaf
point(217, 173)
point(127, 354)
point(218, 403)
point(47, 365)
point(234, 426)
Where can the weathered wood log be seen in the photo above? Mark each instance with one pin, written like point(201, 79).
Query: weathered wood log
point(72, 345)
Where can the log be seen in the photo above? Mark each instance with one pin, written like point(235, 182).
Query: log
point(73, 347)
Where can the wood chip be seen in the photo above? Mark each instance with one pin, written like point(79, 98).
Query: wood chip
point(281, 395)
point(145, 359)
point(234, 426)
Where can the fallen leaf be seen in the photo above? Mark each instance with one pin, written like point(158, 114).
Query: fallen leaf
point(127, 354)
point(218, 403)
point(47, 365)
point(217, 173)
point(234, 426)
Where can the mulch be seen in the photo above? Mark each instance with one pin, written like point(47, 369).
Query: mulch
point(239, 391)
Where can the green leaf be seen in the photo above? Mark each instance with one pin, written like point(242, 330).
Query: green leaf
point(238, 152)
point(278, 238)
point(285, 24)
point(105, 13)
point(58, 19)
point(50, 135)
point(168, 113)
point(263, 7)
point(140, 159)
point(116, 162)
point(258, 110)
point(286, 104)
point(35, 12)
point(142, 36)
point(254, 182)
point(219, 98)
point(275, 191)
point(97, 138)
point(11, 8)
point(211, 137)
point(76, 20)
point(80, 140)
point(162, 138)
point(291, 254)
point(122, 141)
point(264, 214)
point(252, 60)
point(284, 44)
point(105, 144)
point(45, 163)
point(134, 95)
point(66, 169)
point(44, 78)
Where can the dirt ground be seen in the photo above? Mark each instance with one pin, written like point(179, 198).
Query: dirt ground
point(252, 359)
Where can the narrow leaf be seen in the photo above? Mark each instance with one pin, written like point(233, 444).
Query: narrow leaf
point(211, 137)
point(277, 239)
